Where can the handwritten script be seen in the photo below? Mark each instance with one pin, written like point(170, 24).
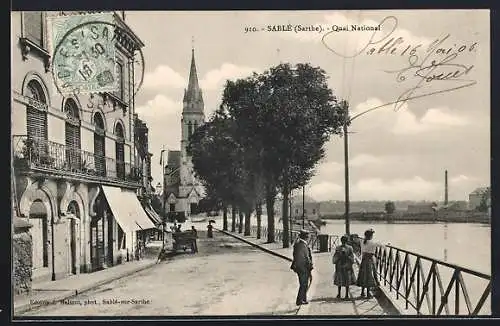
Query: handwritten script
point(433, 67)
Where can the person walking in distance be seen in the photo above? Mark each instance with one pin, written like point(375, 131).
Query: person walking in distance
point(343, 259)
point(302, 265)
point(194, 245)
point(366, 275)
point(210, 232)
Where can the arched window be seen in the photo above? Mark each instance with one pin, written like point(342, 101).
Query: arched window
point(72, 135)
point(190, 128)
point(120, 151)
point(99, 145)
point(36, 117)
point(98, 121)
point(119, 131)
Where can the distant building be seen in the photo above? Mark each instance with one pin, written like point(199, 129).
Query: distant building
point(477, 195)
point(311, 210)
point(421, 208)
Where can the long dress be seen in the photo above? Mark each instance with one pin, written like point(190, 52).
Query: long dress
point(343, 259)
point(366, 274)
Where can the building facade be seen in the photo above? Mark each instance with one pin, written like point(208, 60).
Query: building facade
point(477, 196)
point(73, 157)
point(183, 190)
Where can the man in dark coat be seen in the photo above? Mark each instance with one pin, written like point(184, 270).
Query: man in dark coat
point(302, 265)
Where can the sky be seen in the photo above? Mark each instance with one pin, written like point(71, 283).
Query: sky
point(395, 152)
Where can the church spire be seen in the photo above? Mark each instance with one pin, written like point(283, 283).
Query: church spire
point(193, 99)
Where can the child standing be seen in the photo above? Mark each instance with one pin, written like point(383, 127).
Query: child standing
point(343, 259)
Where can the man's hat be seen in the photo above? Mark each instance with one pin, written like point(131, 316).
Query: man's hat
point(303, 233)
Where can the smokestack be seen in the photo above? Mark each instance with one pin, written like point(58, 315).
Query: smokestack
point(446, 187)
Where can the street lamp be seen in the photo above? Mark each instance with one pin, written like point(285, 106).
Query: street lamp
point(303, 206)
point(345, 106)
point(164, 218)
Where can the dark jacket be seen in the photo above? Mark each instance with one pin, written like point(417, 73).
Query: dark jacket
point(302, 257)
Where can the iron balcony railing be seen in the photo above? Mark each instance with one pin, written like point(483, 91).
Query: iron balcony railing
point(31, 153)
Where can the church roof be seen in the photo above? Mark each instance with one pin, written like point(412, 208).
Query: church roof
point(193, 96)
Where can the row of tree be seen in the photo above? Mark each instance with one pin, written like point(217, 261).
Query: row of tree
point(265, 139)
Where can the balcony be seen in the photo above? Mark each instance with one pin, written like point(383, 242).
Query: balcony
point(41, 157)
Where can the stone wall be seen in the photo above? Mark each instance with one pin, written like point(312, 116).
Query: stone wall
point(22, 262)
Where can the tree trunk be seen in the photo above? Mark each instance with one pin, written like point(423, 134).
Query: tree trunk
point(270, 217)
point(224, 218)
point(233, 218)
point(258, 212)
point(285, 219)
point(240, 224)
point(248, 214)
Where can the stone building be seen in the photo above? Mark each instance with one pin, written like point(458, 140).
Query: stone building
point(75, 177)
point(182, 189)
point(477, 196)
point(143, 161)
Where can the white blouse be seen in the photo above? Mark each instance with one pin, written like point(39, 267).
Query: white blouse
point(369, 247)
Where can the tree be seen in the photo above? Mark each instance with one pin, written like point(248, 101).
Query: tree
point(211, 147)
point(484, 205)
point(284, 117)
point(390, 207)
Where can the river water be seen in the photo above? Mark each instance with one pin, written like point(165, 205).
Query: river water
point(463, 244)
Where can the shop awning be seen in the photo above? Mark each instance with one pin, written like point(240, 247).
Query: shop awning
point(152, 214)
point(127, 210)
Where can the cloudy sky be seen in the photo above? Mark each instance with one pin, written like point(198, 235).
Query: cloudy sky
point(396, 153)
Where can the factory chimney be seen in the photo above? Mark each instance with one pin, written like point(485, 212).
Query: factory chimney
point(446, 187)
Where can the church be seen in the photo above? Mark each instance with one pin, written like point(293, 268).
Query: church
point(182, 189)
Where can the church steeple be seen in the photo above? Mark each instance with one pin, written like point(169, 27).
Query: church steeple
point(193, 98)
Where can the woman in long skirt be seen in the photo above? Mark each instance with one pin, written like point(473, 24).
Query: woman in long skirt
point(343, 259)
point(366, 276)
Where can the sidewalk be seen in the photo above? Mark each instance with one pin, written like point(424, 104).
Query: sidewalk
point(53, 291)
point(322, 294)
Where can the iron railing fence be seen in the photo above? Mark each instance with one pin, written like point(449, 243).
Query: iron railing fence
point(418, 280)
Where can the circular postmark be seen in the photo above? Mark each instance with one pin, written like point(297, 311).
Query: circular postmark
point(84, 57)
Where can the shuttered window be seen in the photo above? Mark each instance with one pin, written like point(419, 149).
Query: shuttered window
point(36, 120)
point(72, 133)
point(120, 152)
point(33, 27)
point(99, 150)
point(120, 160)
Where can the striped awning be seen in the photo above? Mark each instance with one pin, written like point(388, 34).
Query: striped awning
point(152, 214)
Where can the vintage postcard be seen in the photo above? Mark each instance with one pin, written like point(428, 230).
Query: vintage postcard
point(247, 163)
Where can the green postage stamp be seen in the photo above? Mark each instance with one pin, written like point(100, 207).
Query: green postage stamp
point(83, 53)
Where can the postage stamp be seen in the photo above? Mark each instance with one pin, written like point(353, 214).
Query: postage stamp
point(83, 50)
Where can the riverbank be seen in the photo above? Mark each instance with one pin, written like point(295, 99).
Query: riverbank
point(398, 217)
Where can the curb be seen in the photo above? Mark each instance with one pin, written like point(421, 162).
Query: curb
point(388, 303)
point(72, 293)
point(269, 251)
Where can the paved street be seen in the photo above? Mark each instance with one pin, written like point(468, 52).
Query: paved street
point(226, 277)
